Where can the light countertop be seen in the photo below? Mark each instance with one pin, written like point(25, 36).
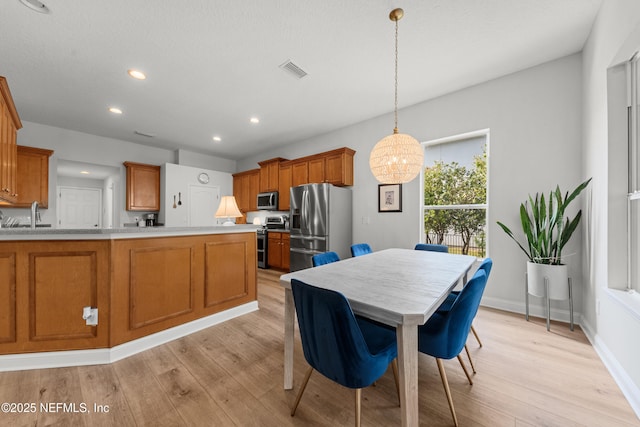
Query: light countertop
point(7, 234)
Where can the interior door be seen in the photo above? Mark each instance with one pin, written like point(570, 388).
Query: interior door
point(202, 204)
point(79, 207)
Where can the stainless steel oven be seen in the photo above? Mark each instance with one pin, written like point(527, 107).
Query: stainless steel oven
point(262, 247)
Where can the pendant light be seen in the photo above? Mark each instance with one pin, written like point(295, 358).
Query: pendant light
point(397, 158)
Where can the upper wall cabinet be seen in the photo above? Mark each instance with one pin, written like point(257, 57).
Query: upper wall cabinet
point(143, 187)
point(334, 167)
point(269, 174)
point(33, 176)
point(245, 189)
point(9, 125)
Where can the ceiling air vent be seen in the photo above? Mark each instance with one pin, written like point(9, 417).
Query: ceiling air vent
point(293, 69)
point(148, 135)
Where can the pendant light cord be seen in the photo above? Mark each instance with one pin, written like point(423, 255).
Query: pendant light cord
point(395, 129)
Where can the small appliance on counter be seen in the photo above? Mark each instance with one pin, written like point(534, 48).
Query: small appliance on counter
point(150, 219)
point(278, 222)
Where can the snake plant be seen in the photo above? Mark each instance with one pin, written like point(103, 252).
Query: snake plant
point(545, 227)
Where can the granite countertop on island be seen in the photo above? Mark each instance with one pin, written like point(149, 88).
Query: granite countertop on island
point(117, 233)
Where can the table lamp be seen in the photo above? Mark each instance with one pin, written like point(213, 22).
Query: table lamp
point(227, 209)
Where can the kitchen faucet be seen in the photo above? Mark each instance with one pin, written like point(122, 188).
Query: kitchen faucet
point(35, 213)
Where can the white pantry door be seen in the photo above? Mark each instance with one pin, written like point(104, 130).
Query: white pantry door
point(203, 202)
point(79, 207)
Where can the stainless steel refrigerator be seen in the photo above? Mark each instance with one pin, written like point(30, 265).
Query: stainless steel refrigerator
point(320, 221)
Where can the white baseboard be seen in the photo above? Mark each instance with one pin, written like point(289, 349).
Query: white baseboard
point(60, 359)
point(627, 386)
point(536, 308)
point(620, 376)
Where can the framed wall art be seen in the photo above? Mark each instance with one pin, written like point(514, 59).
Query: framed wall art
point(389, 197)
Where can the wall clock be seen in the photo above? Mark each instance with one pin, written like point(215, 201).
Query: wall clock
point(203, 178)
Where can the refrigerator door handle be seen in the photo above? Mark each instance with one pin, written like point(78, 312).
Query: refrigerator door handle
point(299, 237)
point(305, 209)
point(305, 251)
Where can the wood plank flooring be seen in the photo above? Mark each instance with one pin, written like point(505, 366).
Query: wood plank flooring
point(231, 375)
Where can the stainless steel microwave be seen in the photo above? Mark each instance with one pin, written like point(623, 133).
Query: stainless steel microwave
point(268, 201)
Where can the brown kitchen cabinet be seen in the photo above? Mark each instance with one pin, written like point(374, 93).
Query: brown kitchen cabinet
point(143, 187)
point(278, 250)
point(334, 167)
point(140, 287)
point(299, 172)
point(284, 185)
point(245, 189)
point(9, 125)
point(270, 174)
point(44, 286)
point(33, 176)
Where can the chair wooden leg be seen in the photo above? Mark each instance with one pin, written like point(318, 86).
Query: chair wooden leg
point(473, 367)
point(464, 368)
point(445, 383)
point(358, 406)
point(475, 334)
point(394, 368)
point(302, 387)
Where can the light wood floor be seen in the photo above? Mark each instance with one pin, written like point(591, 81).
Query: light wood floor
point(231, 374)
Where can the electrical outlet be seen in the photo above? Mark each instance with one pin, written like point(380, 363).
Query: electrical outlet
point(90, 315)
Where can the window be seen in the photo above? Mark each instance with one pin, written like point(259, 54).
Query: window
point(633, 198)
point(454, 189)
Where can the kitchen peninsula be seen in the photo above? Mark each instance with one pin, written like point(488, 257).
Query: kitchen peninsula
point(150, 285)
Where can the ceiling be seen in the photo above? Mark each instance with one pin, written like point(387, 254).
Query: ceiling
point(213, 64)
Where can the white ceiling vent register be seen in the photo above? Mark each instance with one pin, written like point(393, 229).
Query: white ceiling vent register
point(148, 135)
point(293, 69)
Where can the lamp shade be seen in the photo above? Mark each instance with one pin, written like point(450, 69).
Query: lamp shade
point(396, 159)
point(228, 208)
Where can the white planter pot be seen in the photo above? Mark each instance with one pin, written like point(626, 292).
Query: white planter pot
point(557, 276)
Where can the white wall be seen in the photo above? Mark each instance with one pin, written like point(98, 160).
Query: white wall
point(199, 160)
point(534, 117)
point(615, 330)
point(177, 179)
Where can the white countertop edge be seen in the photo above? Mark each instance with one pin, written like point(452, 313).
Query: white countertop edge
point(119, 233)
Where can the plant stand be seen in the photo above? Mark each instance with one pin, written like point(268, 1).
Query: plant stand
point(548, 300)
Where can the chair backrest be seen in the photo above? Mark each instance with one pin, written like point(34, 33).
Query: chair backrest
point(360, 249)
point(431, 247)
point(445, 333)
point(325, 258)
point(332, 341)
point(486, 265)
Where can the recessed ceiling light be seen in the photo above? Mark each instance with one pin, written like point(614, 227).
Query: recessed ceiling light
point(36, 5)
point(115, 110)
point(84, 172)
point(217, 139)
point(254, 120)
point(137, 74)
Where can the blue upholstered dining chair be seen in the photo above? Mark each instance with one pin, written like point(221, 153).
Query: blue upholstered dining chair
point(324, 258)
point(486, 266)
point(360, 249)
point(431, 247)
point(445, 333)
point(350, 351)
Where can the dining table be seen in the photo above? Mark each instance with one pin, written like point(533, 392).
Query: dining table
point(401, 288)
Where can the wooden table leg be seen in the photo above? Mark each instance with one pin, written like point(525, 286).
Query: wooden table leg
point(408, 366)
point(289, 312)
